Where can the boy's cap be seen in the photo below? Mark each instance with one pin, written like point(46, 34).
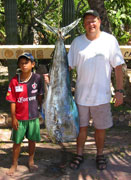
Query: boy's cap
point(91, 12)
point(26, 55)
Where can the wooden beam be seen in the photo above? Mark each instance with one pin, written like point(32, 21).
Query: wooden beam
point(43, 51)
point(126, 52)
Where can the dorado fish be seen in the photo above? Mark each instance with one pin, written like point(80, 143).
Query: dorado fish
point(61, 114)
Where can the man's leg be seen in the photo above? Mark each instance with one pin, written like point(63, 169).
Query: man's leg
point(31, 164)
point(84, 116)
point(100, 139)
point(80, 147)
point(81, 140)
point(16, 152)
point(100, 159)
point(102, 118)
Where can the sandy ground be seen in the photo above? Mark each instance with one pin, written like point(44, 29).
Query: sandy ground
point(49, 157)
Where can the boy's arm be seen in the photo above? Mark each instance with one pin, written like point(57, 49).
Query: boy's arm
point(15, 123)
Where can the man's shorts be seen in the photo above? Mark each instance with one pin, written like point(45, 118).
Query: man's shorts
point(27, 128)
point(101, 115)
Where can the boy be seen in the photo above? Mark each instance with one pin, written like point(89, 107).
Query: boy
point(25, 95)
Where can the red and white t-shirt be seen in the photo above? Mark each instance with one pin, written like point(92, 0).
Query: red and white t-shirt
point(24, 94)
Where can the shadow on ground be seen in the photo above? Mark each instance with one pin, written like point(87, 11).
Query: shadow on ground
point(53, 160)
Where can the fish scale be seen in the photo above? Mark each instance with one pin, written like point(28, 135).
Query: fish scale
point(61, 114)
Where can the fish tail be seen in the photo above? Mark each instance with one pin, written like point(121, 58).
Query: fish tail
point(62, 31)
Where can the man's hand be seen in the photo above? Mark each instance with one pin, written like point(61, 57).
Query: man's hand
point(46, 78)
point(118, 99)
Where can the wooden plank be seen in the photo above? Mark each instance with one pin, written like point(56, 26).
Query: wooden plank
point(38, 51)
point(43, 51)
point(126, 52)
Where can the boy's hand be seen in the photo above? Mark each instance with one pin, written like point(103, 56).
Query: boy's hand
point(15, 124)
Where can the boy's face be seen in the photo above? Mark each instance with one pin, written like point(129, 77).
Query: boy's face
point(26, 65)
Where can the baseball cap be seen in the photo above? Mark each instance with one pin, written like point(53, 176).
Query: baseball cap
point(91, 12)
point(26, 55)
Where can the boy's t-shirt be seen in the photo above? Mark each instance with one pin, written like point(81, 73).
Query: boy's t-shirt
point(24, 94)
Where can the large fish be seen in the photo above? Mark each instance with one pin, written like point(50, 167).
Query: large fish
point(61, 114)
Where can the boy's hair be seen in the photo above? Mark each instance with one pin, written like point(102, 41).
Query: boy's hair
point(26, 55)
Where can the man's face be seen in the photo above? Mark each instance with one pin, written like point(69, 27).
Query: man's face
point(92, 24)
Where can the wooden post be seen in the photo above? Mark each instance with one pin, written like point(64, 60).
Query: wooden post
point(11, 31)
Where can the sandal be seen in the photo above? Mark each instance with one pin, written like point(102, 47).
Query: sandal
point(75, 163)
point(101, 162)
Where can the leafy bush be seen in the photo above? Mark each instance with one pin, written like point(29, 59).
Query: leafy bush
point(119, 13)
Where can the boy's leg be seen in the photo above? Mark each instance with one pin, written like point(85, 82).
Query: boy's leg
point(16, 152)
point(33, 136)
point(31, 164)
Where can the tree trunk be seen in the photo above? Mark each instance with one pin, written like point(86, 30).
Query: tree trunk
point(68, 17)
point(11, 32)
point(99, 6)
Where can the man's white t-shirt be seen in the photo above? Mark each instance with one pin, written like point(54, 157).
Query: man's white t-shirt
point(94, 61)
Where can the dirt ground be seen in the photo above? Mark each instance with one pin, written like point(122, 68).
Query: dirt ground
point(49, 157)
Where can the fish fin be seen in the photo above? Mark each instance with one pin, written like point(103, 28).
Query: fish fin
point(66, 29)
point(48, 27)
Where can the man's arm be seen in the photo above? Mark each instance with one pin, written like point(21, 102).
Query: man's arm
point(70, 68)
point(118, 98)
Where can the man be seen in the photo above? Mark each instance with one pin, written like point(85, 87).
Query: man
point(94, 54)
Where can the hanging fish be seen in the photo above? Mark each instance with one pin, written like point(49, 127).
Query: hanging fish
point(61, 114)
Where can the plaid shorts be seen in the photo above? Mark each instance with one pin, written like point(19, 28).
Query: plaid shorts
point(27, 128)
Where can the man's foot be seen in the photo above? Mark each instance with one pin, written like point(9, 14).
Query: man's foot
point(76, 162)
point(101, 162)
point(12, 170)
